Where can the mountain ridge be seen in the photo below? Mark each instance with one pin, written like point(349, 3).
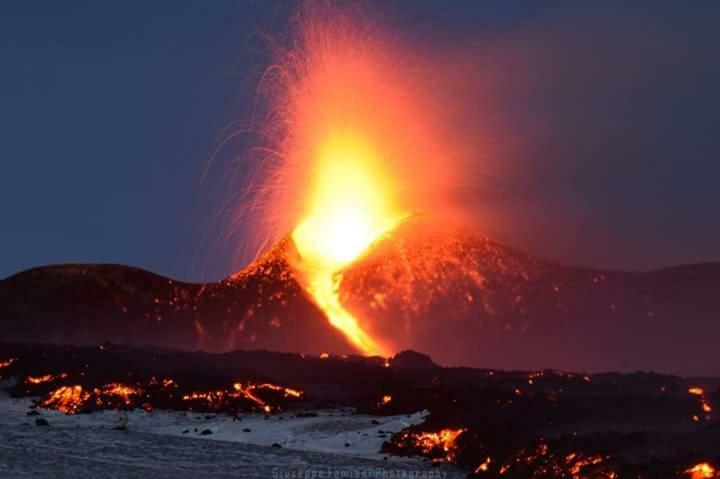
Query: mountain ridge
point(462, 298)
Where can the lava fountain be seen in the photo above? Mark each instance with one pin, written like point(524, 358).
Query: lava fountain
point(349, 206)
point(350, 152)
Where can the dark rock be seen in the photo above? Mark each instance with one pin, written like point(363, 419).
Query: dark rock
point(275, 445)
point(413, 360)
point(347, 444)
point(185, 431)
point(41, 422)
point(306, 414)
point(33, 413)
point(247, 429)
point(206, 432)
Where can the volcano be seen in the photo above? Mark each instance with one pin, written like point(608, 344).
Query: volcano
point(460, 297)
point(261, 307)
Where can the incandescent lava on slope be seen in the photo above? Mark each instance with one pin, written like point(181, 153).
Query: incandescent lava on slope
point(261, 307)
point(460, 297)
point(466, 299)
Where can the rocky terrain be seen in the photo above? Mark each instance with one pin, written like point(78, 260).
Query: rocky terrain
point(460, 297)
point(490, 423)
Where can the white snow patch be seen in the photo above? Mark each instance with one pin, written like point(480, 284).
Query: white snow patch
point(336, 431)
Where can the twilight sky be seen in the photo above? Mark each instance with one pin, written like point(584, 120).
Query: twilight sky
point(600, 121)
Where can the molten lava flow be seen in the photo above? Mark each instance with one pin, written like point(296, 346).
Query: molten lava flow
point(222, 399)
point(123, 392)
point(349, 204)
point(7, 363)
point(353, 149)
point(349, 207)
point(44, 379)
point(705, 405)
point(443, 441)
point(702, 471)
point(68, 399)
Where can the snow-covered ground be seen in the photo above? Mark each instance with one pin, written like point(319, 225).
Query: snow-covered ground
point(178, 445)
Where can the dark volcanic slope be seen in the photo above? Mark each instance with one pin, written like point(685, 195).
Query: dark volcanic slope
point(461, 297)
point(470, 301)
point(262, 307)
point(520, 425)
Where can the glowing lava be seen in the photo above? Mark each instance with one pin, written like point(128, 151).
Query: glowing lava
point(701, 471)
point(350, 152)
point(350, 206)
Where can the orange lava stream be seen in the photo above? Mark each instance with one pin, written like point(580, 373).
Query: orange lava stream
point(322, 287)
point(702, 471)
point(350, 206)
point(352, 151)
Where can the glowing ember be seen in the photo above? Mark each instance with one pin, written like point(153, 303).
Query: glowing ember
point(117, 390)
point(287, 392)
point(247, 392)
point(7, 363)
point(163, 393)
point(324, 355)
point(484, 466)
point(443, 440)
point(578, 463)
point(44, 379)
point(165, 383)
point(219, 399)
point(702, 471)
point(543, 463)
point(386, 399)
point(214, 399)
point(68, 399)
point(349, 208)
point(705, 405)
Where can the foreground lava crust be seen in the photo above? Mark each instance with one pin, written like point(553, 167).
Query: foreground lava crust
point(539, 424)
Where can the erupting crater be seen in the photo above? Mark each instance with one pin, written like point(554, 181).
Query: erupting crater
point(349, 208)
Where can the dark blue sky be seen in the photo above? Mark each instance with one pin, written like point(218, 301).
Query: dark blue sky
point(605, 118)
